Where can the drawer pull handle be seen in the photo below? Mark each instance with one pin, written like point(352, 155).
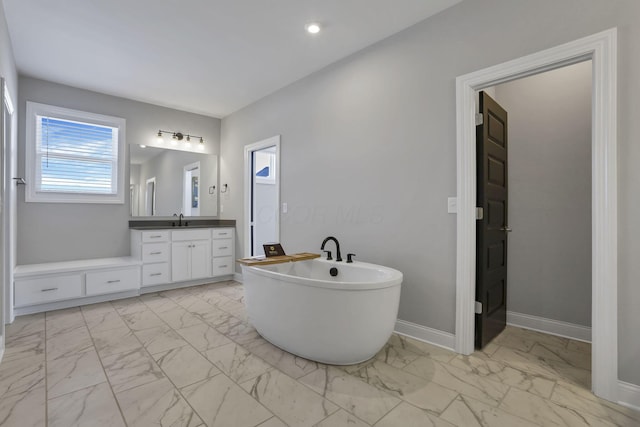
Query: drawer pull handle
point(155, 237)
point(113, 281)
point(155, 253)
point(222, 234)
point(223, 247)
point(49, 289)
point(155, 274)
point(223, 266)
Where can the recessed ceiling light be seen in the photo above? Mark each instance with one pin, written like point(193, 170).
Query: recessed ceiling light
point(313, 28)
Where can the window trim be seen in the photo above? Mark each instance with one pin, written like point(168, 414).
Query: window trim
point(31, 195)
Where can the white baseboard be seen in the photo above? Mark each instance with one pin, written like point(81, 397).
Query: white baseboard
point(629, 395)
point(423, 333)
point(237, 277)
point(549, 326)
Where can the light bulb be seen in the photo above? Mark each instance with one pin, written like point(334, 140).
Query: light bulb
point(313, 28)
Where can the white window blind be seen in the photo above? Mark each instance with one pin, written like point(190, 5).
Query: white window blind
point(75, 157)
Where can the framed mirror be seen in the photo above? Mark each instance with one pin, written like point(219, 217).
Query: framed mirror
point(164, 182)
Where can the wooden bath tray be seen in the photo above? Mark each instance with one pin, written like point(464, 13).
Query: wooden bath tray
point(278, 259)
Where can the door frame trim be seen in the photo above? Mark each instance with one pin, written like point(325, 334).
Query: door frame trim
point(248, 149)
point(601, 49)
point(8, 219)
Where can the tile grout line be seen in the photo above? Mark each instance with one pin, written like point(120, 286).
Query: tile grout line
point(166, 376)
point(284, 373)
point(176, 388)
point(189, 291)
point(446, 407)
point(258, 357)
point(217, 367)
point(124, 420)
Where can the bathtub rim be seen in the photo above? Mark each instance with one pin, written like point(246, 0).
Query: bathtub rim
point(395, 279)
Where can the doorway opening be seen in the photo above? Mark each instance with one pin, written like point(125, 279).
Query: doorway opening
point(150, 197)
point(262, 195)
point(534, 255)
point(190, 189)
point(601, 50)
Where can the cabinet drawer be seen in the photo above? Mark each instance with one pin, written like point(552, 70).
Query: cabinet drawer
point(222, 233)
point(222, 247)
point(185, 235)
point(155, 236)
point(117, 280)
point(222, 266)
point(155, 252)
point(155, 274)
point(47, 289)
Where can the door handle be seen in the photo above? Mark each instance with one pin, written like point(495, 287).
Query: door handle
point(507, 229)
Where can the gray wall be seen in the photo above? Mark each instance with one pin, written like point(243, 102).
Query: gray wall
point(168, 168)
point(368, 146)
point(50, 232)
point(549, 251)
point(7, 63)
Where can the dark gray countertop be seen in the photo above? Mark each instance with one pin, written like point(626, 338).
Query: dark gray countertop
point(172, 224)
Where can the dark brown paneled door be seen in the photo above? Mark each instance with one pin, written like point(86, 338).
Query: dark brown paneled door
point(491, 230)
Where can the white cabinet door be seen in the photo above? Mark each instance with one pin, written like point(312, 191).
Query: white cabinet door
point(180, 261)
point(200, 259)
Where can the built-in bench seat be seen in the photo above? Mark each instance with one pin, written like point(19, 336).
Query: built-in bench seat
point(54, 285)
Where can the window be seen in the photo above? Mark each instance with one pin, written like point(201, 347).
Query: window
point(74, 156)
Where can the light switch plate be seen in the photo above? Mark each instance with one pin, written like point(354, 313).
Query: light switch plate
point(452, 205)
point(285, 207)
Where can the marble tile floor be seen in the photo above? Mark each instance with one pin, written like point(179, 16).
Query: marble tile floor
point(188, 357)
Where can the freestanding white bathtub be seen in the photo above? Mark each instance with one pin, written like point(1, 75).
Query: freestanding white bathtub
point(341, 320)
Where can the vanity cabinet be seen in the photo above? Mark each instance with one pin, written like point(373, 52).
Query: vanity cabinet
point(222, 251)
point(181, 256)
point(152, 248)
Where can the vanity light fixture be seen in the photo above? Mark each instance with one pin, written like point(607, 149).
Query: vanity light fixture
point(313, 28)
point(143, 146)
point(178, 136)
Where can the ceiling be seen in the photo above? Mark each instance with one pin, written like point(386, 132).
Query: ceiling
point(205, 56)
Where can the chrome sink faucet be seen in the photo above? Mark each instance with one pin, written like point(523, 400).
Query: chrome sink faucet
point(338, 256)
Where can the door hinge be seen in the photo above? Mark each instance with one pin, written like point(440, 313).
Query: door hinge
point(479, 213)
point(479, 119)
point(478, 307)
